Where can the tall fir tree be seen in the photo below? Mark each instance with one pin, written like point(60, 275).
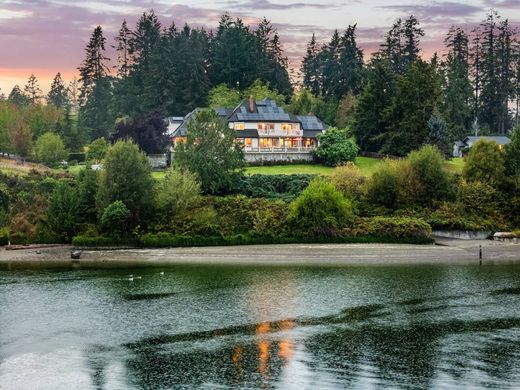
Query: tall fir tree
point(32, 90)
point(417, 95)
point(457, 89)
point(122, 47)
point(310, 67)
point(17, 97)
point(57, 95)
point(377, 95)
point(96, 90)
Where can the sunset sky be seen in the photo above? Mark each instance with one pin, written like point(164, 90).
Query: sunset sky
point(47, 36)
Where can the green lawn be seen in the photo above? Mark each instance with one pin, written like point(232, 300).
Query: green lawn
point(455, 165)
point(365, 164)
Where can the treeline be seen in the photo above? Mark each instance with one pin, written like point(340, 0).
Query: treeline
point(393, 102)
point(172, 70)
point(398, 101)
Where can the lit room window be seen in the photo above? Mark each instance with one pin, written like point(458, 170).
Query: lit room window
point(239, 126)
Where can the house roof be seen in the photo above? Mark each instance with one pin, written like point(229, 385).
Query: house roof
point(265, 110)
point(499, 139)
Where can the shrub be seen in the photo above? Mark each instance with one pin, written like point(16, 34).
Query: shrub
point(383, 186)
point(126, 177)
point(321, 209)
point(349, 180)
point(97, 150)
point(477, 198)
point(50, 149)
point(273, 186)
point(62, 211)
point(392, 227)
point(115, 218)
point(513, 153)
point(485, 163)
point(4, 236)
point(270, 218)
point(176, 194)
point(431, 181)
point(336, 147)
point(77, 157)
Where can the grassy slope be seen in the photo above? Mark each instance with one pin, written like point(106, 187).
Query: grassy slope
point(365, 164)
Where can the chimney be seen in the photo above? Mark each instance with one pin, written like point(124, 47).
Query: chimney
point(251, 104)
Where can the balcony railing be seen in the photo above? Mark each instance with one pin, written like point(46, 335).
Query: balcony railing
point(279, 150)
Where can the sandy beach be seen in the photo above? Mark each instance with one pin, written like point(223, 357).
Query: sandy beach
point(444, 252)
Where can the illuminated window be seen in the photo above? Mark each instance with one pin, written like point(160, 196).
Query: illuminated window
point(262, 126)
point(271, 126)
point(239, 126)
point(248, 142)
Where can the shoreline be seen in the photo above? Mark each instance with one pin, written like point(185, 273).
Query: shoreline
point(446, 251)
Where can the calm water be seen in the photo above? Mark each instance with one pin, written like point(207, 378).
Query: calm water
point(283, 328)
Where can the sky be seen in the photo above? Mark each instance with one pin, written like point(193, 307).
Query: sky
point(48, 36)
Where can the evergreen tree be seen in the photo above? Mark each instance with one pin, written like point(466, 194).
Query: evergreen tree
point(350, 65)
point(438, 134)
point(32, 90)
point(310, 68)
point(17, 97)
point(123, 50)
point(496, 73)
point(457, 88)
point(95, 91)
point(94, 67)
point(57, 95)
point(377, 95)
point(417, 94)
point(401, 47)
point(235, 52)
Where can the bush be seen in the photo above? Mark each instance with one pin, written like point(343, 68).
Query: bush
point(392, 228)
point(50, 149)
point(176, 194)
point(4, 236)
point(126, 177)
point(97, 150)
point(273, 186)
point(115, 218)
point(485, 163)
point(383, 186)
point(428, 166)
point(77, 157)
point(349, 180)
point(321, 209)
point(477, 198)
point(62, 211)
point(335, 147)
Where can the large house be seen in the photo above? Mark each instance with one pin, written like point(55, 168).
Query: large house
point(461, 147)
point(267, 131)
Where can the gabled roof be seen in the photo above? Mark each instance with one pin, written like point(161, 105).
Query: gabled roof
point(265, 110)
point(499, 139)
point(311, 122)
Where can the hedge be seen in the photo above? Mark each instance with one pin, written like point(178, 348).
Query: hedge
point(76, 156)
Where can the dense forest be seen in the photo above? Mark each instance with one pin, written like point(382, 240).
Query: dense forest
point(393, 100)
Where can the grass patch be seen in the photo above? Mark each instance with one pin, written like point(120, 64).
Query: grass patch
point(367, 166)
point(455, 165)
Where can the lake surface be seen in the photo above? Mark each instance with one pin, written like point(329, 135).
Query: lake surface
point(261, 327)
